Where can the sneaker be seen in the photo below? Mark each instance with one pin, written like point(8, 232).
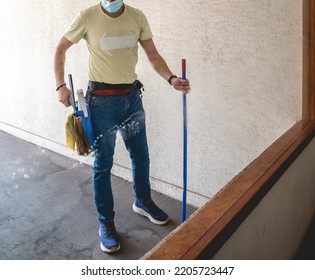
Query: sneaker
point(151, 211)
point(109, 237)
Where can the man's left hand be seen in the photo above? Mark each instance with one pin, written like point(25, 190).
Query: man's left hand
point(181, 84)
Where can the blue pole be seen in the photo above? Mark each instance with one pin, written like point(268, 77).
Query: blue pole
point(184, 145)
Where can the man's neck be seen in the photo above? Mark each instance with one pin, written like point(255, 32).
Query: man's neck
point(114, 15)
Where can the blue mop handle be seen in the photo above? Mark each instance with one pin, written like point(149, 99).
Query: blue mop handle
point(184, 145)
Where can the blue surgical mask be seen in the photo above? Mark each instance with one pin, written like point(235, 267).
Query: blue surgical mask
point(112, 7)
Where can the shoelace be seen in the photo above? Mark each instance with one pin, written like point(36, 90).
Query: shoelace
point(109, 229)
point(154, 208)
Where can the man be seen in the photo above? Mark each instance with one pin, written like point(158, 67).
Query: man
point(112, 31)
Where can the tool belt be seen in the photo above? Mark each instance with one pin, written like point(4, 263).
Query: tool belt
point(104, 89)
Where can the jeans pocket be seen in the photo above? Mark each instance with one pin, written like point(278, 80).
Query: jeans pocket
point(97, 101)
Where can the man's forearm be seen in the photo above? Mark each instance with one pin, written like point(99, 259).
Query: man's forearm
point(157, 61)
point(60, 59)
point(59, 67)
point(160, 66)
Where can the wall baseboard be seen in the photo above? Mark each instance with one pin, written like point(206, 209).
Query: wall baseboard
point(123, 172)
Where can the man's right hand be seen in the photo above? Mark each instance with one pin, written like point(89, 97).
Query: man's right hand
point(63, 95)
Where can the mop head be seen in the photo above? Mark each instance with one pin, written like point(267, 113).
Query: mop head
point(81, 140)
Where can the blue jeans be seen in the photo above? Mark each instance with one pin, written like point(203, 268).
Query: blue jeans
point(124, 114)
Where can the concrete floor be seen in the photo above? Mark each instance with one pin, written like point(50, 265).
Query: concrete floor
point(47, 210)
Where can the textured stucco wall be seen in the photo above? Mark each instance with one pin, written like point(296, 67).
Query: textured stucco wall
point(244, 60)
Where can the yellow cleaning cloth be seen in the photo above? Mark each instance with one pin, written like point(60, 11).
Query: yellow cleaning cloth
point(70, 132)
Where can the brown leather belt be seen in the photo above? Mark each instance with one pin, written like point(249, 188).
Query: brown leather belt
point(110, 92)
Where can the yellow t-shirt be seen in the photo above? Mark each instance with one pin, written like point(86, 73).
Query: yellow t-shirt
point(112, 42)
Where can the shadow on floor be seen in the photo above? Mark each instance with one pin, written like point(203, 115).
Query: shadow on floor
point(47, 210)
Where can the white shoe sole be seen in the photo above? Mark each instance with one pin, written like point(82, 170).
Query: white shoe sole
point(141, 212)
point(111, 250)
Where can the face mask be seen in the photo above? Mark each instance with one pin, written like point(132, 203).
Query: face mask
point(112, 7)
